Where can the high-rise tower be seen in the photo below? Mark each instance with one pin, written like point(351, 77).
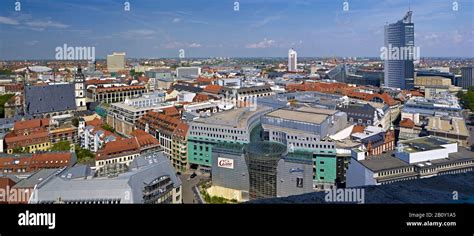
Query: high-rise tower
point(292, 60)
point(399, 72)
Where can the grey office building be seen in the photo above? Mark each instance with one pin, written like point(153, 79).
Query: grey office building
point(234, 177)
point(149, 179)
point(467, 78)
point(259, 170)
point(294, 175)
point(400, 73)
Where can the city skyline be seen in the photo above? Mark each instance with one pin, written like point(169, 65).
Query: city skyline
point(213, 29)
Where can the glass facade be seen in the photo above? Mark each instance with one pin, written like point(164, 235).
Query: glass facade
point(262, 161)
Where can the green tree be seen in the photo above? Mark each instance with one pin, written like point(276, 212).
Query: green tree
point(108, 127)
point(18, 150)
point(5, 72)
point(84, 155)
point(3, 100)
point(467, 98)
point(61, 146)
point(75, 121)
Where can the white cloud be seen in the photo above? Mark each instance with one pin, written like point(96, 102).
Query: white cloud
point(46, 24)
point(8, 21)
point(172, 45)
point(431, 36)
point(266, 43)
point(176, 20)
point(194, 45)
point(138, 34)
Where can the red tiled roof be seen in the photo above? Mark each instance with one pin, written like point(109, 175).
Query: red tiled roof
point(201, 98)
point(51, 156)
point(117, 147)
point(358, 129)
point(32, 138)
point(387, 99)
point(205, 80)
point(159, 121)
point(407, 123)
point(95, 122)
point(171, 111)
point(181, 130)
point(37, 161)
point(100, 81)
point(415, 93)
point(31, 124)
point(212, 88)
point(144, 139)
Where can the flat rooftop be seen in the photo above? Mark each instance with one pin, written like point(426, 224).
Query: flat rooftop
point(235, 117)
point(303, 114)
point(132, 108)
point(385, 161)
point(451, 126)
point(424, 144)
point(388, 161)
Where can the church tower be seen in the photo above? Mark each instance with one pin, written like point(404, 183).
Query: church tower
point(80, 89)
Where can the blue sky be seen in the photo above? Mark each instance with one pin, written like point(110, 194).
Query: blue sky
point(208, 28)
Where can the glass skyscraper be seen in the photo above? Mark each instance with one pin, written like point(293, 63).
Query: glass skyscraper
point(399, 72)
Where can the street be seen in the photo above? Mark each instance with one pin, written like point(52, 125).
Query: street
point(188, 184)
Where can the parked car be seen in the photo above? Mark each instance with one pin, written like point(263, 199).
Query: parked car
point(193, 175)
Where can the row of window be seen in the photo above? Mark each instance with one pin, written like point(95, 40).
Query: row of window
point(393, 172)
point(359, 114)
point(351, 119)
point(229, 131)
point(312, 145)
point(121, 159)
point(221, 136)
point(200, 159)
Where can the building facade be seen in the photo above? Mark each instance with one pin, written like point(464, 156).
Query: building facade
point(231, 126)
point(114, 94)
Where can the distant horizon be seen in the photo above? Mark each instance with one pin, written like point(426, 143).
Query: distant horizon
point(213, 28)
point(248, 57)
